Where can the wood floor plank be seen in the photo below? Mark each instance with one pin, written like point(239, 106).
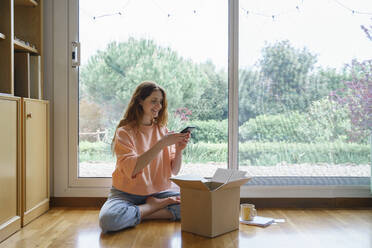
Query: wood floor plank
point(78, 227)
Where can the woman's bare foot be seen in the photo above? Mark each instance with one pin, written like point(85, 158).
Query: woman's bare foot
point(162, 202)
point(154, 204)
point(162, 213)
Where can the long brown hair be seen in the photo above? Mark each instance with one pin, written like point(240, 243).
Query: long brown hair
point(134, 112)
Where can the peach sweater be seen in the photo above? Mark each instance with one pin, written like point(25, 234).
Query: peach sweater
point(130, 144)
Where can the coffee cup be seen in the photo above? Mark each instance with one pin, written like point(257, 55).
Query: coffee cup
point(247, 211)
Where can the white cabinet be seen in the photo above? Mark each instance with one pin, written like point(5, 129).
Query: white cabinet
point(24, 122)
point(35, 172)
point(10, 190)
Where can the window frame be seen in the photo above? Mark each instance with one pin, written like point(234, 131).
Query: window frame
point(62, 16)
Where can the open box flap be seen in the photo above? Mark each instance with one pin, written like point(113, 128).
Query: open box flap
point(225, 175)
point(233, 184)
point(221, 175)
point(237, 175)
point(190, 182)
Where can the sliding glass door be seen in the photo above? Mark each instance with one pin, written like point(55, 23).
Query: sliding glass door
point(181, 45)
point(305, 89)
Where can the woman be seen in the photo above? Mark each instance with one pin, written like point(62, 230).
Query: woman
point(147, 156)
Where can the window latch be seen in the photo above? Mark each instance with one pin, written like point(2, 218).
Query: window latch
point(75, 54)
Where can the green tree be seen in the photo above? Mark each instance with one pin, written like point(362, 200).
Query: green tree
point(324, 81)
point(252, 94)
point(90, 116)
point(284, 79)
point(110, 76)
point(213, 102)
point(287, 69)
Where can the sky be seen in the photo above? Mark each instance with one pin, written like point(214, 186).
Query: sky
point(198, 29)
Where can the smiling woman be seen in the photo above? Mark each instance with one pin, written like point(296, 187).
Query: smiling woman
point(147, 156)
point(151, 106)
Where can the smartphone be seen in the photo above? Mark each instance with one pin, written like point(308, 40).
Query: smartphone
point(187, 130)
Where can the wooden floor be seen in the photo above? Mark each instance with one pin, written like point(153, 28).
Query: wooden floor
point(68, 227)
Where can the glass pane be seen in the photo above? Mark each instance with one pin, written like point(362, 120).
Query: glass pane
point(181, 45)
point(305, 88)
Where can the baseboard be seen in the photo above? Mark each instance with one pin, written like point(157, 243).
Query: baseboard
point(97, 202)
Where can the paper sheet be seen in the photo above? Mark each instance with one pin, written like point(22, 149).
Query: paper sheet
point(258, 221)
point(221, 175)
point(225, 176)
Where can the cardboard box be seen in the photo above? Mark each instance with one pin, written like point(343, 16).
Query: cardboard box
point(211, 207)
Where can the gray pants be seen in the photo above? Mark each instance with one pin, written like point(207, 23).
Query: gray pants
point(121, 210)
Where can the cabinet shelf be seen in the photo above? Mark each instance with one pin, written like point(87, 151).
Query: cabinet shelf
point(19, 46)
point(21, 31)
point(31, 3)
point(6, 95)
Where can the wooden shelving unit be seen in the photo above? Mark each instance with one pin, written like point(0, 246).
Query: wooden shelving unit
point(24, 115)
point(31, 3)
point(20, 47)
point(6, 47)
point(21, 32)
point(21, 28)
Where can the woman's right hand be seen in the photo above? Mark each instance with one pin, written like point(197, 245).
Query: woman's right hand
point(172, 138)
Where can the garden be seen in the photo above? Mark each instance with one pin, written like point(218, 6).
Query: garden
point(291, 111)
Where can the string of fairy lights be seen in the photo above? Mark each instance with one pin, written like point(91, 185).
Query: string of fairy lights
point(353, 11)
point(249, 12)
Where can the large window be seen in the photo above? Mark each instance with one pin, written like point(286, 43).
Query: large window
point(302, 81)
point(303, 88)
point(181, 45)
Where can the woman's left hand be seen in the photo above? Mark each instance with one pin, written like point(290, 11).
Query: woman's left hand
point(181, 145)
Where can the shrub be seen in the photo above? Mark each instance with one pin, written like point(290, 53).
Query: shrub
point(324, 122)
point(257, 153)
point(274, 128)
point(211, 131)
point(205, 152)
point(253, 153)
point(95, 151)
point(270, 153)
